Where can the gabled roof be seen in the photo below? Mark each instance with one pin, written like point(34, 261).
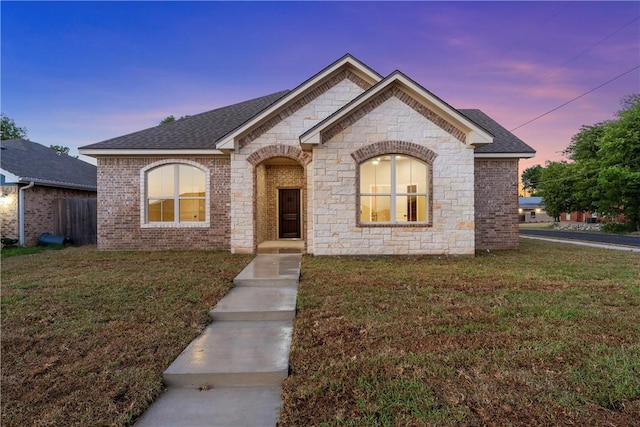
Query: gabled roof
point(426, 102)
point(29, 161)
point(504, 142)
point(347, 62)
point(198, 132)
point(227, 128)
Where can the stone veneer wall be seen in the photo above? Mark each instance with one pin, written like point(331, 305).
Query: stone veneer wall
point(335, 202)
point(119, 207)
point(273, 140)
point(496, 200)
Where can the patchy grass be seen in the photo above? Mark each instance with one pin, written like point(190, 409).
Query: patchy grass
point(86, 335)
point(27, 250)
point(545, 335)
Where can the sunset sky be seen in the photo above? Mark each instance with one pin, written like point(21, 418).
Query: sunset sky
point(75, 73)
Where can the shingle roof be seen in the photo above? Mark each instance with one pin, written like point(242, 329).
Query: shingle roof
point(530, 202)
point(503, 142)
point(31, 161)
point(200, 131)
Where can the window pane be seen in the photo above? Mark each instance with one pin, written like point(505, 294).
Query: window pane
point(375, 175)
point(160, 182)
point(161, 210)
point(191, 210)
point(411, 174)
point(375, 209)
point(191, 181)
point(411, 209)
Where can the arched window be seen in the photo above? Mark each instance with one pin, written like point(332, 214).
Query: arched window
point(175, 193)
point(394, 189)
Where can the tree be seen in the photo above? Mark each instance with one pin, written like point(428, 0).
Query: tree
point(604, 175)
point(171, 119)
point(556, 187)
point(618, 181)
point(9, 129)
point(60, 149)
point(530, 178)
point(167, 119)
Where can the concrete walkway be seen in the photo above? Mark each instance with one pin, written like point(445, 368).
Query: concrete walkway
point(231, 375)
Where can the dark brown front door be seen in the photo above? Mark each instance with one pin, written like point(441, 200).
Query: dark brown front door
point(289, 209)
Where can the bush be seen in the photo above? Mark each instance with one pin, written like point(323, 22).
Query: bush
point(615, 227)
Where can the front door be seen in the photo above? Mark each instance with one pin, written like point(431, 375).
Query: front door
point(289, 213)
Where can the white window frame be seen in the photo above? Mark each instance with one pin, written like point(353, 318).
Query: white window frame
point(144, 199)
point(393, 194)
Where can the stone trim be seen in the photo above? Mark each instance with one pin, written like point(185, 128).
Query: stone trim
point(378, 100)
point(143, 196)
point(395, 147)
point(270, 151)
point(301, 102)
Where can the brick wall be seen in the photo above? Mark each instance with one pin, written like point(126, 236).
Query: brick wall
point(281, 176)
point(9, 211)
point(119, 214)
point(496, 200)
point(38, 209)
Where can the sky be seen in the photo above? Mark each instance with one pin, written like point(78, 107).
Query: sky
point(75, 73)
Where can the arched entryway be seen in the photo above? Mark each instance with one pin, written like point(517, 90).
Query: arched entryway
point(280, 200)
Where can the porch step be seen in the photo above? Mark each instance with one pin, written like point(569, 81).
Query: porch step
point(256, 303)
point(271, 270)
point(234, 354)
point(217, 407)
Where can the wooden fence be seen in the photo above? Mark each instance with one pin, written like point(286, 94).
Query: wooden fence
point(76, 219)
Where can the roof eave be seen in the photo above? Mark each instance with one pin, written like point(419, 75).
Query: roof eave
point(57, 184)
point(99, 152)
point(518, 155)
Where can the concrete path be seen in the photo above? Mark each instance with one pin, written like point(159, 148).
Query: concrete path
point(231, 375)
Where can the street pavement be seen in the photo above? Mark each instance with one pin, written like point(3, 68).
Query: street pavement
point(610, 239)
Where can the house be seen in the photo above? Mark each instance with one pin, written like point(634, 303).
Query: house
point(350, 162)
point(532, 209)
point(32, 178)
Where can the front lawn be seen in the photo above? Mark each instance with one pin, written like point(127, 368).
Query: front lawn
point(86, 335)
point(546, 335)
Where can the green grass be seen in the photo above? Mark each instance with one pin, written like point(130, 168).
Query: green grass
point(86, 335)
point(545, 335)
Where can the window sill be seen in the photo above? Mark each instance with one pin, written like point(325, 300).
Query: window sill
point(204, 224)
point(394, 225)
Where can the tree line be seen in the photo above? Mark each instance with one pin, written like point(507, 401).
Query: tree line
point(602, 173)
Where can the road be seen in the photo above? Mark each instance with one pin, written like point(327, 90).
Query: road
point(613, 239)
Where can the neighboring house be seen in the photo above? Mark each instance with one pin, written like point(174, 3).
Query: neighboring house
point(586, 216)
point(350, 162)
point(532, 209)
point(33, 177)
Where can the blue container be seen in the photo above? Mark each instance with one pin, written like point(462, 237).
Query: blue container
point(47, 239)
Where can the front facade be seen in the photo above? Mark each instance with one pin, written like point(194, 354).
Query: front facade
point(349, 162)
